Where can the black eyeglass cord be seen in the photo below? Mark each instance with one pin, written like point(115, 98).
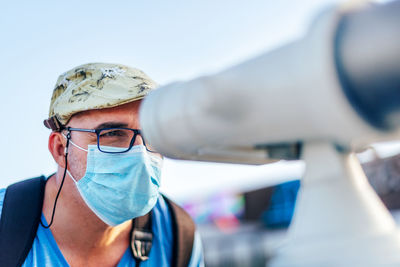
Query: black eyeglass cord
point(61, 185)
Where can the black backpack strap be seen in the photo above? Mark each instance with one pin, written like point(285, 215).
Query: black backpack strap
point(183, 230)
point(22, 208)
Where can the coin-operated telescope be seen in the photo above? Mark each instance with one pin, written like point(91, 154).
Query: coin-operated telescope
point(320, 98)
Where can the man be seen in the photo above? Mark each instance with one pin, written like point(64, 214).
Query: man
point(107, 175)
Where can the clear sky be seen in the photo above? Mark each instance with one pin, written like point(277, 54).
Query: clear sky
point(169, 40)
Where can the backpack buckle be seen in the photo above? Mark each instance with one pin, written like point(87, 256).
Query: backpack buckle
point(141, 242)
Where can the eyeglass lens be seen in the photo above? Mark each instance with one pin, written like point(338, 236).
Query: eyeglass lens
point(111, 138)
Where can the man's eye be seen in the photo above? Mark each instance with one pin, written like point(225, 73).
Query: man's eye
point(111, 133)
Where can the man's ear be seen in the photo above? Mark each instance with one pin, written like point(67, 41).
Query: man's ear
point(56, 146)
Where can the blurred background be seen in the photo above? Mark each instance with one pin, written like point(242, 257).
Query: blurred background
point(242, 211)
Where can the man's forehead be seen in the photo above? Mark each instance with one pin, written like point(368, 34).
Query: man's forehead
point(126, 115)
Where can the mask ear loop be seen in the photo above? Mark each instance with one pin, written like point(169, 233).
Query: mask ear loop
point(62, 182)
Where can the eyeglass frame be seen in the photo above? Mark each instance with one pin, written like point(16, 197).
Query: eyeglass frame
point(97, 132)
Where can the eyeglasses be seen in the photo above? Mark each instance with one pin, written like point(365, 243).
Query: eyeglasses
point(110, 138)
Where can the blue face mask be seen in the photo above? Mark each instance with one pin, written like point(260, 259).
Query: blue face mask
point(119, 187)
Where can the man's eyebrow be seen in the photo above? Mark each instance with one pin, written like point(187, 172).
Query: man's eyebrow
point(111, 125)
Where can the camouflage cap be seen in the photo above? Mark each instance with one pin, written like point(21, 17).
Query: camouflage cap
point(95, 86)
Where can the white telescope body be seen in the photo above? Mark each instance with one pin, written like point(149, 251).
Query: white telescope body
point(328, 94)
point(289, 95)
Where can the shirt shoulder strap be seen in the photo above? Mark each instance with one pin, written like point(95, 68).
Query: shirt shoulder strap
point(183, 232)
point(22, 208)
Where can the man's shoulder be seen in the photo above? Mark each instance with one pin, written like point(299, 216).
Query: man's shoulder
point(196, 259)
point(161, 204)
point(162, 219)
point(161, 211)
point(162, 207)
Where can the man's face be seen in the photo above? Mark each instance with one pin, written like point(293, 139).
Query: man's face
point(125, 116)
